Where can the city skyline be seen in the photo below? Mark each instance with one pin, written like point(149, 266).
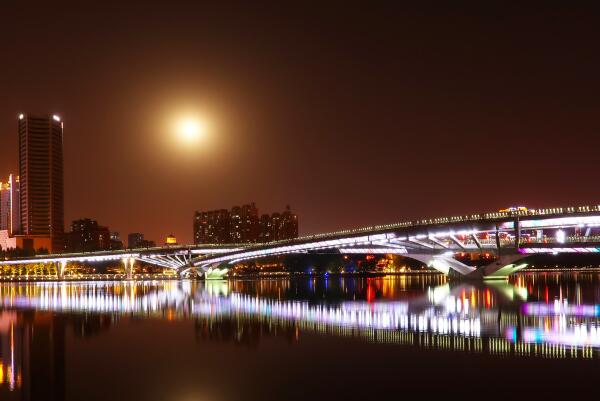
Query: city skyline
point(225, 201)
point(244, 224)
point(33, 207)
point(347, 118)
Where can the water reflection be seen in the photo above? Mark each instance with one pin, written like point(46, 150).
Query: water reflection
point(534, 315)
point(32, 355)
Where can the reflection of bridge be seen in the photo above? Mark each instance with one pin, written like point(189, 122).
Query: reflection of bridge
point(510, 236)
point(464, 317)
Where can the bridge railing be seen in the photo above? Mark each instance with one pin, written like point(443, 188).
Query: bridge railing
point(553, 240)
point(493, 216)
point(523, 241)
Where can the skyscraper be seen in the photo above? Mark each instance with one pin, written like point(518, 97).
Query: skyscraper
point(41, 178)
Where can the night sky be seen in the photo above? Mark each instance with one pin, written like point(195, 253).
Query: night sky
point(352, 114)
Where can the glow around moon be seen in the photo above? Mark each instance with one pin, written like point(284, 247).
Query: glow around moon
point(190, 129)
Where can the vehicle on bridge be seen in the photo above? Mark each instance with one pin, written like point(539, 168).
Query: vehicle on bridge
point(514, 209)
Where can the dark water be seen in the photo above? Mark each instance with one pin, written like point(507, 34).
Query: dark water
point(535, 337)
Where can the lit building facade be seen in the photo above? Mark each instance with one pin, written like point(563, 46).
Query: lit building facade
point(41, 178)
point(243, 224)
point(115, 241)
point(87, 236)
point(212, 227)
point(171, 240)
point(265, 228)
point(7, 241)
point(287, 227)
point(10, 205)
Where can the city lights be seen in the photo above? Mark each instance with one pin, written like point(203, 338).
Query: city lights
point(212, 202)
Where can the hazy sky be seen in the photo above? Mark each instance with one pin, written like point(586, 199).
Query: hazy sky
point(352, 114)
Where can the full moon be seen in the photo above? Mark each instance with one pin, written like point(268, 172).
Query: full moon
point(190, 129)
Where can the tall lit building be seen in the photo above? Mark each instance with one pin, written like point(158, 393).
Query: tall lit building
point(265, 228)
point(243, 224)
point(288, 225)
point(41, 179)
point(212, 227)
point(10, 206)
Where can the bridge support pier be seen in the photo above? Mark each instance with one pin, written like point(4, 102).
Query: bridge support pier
point(213, 272)
point(444, 263)
point(188, 271)
point(128, 265)
point(62, 268)
point(501, 268)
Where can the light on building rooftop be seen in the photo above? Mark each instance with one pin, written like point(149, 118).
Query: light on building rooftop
point(56, 118)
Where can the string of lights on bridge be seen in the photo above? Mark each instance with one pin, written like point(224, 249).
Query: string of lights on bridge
point(454, 219)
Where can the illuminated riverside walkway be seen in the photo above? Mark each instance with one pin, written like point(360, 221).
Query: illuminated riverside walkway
point(509, 236)
point(461, 318)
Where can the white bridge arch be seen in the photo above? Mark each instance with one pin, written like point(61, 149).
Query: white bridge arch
point(510, 235)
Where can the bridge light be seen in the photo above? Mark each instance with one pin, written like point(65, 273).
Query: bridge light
point(560, 236)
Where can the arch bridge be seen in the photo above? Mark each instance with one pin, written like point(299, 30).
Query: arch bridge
point(510, 235)
point(168, 257)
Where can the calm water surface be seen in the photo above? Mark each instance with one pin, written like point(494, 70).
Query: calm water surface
point(537, 336)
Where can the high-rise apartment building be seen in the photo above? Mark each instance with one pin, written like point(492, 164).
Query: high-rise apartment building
point(87, 235)
point(41, 178)
point(212, 227)
point(265, 229)
point(278, 226)
point(243, 225)
point(288, 225)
